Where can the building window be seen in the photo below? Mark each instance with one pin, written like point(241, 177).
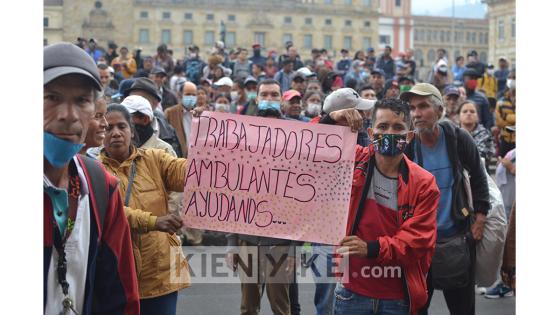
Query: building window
point(398, 3)
point(210, 17)
point(513, 27)
point(144, 36)
point(483, 57)
point(421, 35)
point(327, 42)
point(259, 38)
point(187, 37)
point(307, 41)
point(442, 36)
point(144, 14)
point(415, 34)
point(347, 43)
point(287, 20)
point(429, 35)
point(209, 38)
point(166, 37)
point(486, 38)
point(385, 40)
point(328, 1)
point(367, 24)
point(366, 3)
point(188, 16)
point(230, 39)
point(348, 2)
point(348, 23)
point(231, 18)
point(448, 36)
point(328, 22)
point(308, 21)
point(473, 38)
point(501, 30)
point(287, 38)
point(45, 22)
point(366, 43)
point(166, 15)
point(468, 37)
point(431, 55)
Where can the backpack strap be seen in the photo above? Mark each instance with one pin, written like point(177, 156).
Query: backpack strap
point(98, 182)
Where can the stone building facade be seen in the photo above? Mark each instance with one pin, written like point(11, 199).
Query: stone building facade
point(501, 17)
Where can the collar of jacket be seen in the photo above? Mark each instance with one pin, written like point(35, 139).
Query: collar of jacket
point(134, 154)
point(404, 170)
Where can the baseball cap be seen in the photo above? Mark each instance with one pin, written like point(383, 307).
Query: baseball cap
point(371, 49)
point(256, 45)
point(298, 75)
point(304, 71)
point(378, 71)
point(137, 103)
point(66, 58)
point(422, 89)
point(225, 81)
point(451, 90)
point(289, 94)
point(147, 85)
point(346, 98)
point(158, 70)
point(250, 79)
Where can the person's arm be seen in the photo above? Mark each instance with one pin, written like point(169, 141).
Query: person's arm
point(344, 117)
point(115, 288)
point(500, 121)
point(131, 66)
point(173, 170)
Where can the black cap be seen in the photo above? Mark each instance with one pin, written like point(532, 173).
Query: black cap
point(472, 53)
point(147, 85)
point(471, 72)
point(66, 58)
point(158, 70)
point(405, 78)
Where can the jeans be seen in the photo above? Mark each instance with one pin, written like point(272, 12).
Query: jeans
point(161, 305)
point(348, 302)
point(324, 288)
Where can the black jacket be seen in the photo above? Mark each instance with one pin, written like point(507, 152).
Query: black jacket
point(462, 153)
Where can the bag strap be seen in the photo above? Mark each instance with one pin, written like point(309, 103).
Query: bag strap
point(130, 181)
point(99, 187)
point(361, 205)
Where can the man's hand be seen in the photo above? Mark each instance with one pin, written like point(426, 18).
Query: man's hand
point(231, 261)
point(170, 223)
point(477, 227)
point(507, 164)
point(348, 117)
point(197, 111)
point(352, 245)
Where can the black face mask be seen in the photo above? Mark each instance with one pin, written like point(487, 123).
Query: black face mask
point(144, 133)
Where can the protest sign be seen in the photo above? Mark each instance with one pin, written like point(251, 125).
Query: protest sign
point(269, 177)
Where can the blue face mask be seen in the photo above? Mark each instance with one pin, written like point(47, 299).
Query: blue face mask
point(264, 105)
point(59, 151)
point(251, 95)
point(189, 101)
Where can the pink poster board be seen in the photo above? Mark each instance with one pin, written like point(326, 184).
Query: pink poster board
point(269, 177)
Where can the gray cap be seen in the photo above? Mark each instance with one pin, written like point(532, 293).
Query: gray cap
point(147, 85)
point(346, 98)
point(66, 58)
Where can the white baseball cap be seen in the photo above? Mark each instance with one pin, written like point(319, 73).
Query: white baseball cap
point(137, 103)
point(346, 98)
point(225, 81)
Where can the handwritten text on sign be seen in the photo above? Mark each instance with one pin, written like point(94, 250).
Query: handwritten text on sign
point(269, 177)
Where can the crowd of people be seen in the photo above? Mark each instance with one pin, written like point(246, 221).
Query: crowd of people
point(116, 136)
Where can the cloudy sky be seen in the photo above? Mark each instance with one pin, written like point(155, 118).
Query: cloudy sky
point(435, 6)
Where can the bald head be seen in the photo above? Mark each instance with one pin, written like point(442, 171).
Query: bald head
point(189, 89)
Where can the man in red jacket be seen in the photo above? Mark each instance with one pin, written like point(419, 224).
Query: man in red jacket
point(392, 219)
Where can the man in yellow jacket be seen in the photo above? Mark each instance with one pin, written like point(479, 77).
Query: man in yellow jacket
point(125, 63)
point(489, 85)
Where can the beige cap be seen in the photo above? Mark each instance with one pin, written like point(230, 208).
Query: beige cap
point(422, 89)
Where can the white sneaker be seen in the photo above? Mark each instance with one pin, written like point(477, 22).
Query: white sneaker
point(479, 290)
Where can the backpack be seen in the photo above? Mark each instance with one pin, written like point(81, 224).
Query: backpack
point(99, 199)
point(193, 70)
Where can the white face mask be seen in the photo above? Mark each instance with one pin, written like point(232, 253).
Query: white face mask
point(313, 109)
point(510, 83)
point(490, 71)
point(234, 96)
point(221, 108)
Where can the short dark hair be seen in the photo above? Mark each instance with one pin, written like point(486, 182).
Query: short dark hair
point(467, 102)
point(268, 82)
point(220, 95)
point(102, 66)
point(396, 105)
point(459, 58)
point(365, 87)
